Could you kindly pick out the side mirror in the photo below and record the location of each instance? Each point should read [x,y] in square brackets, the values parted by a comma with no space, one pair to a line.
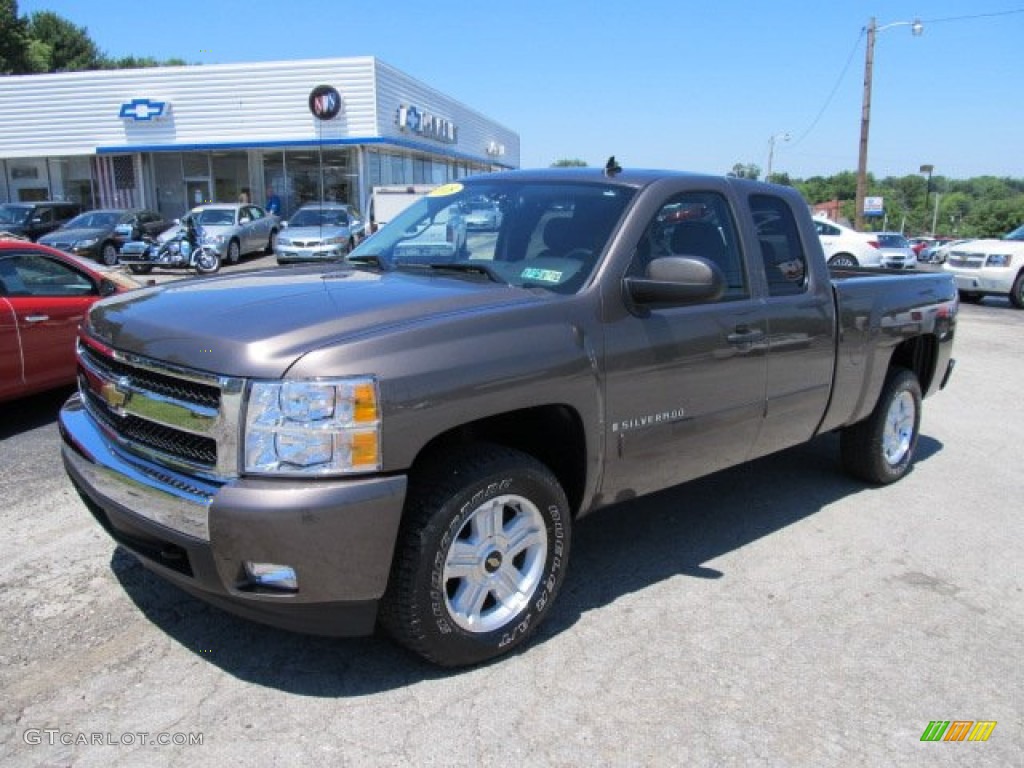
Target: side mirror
[107,287]
[677,280]
[284,224]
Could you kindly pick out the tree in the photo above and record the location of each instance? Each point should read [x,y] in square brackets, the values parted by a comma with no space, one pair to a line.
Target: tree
[569,163]
[13,40]
[57,45]
[748,171]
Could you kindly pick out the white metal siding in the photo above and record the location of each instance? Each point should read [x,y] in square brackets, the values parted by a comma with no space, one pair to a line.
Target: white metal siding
[251,104]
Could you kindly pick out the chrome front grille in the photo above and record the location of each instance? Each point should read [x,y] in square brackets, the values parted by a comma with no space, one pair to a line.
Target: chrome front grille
[966,260]
[184,419]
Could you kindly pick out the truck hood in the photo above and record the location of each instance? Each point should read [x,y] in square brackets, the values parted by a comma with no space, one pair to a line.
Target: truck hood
[990,246]
[257,324]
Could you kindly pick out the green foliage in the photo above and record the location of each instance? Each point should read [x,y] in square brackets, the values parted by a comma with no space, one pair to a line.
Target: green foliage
[57,45]
[13,40]
[745,171]
[569,163]
[46,42]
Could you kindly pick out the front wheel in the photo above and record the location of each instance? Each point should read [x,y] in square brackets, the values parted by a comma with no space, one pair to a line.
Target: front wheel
[482,553]
[207,261]
[108,254]
[881,448]
[1017,292]
[234,252]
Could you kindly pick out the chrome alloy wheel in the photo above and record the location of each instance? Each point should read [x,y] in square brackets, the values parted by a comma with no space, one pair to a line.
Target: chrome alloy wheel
[495,563]
[899,428]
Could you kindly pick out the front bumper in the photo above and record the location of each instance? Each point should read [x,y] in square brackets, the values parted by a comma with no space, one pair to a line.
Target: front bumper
[289,253]
[338,535]
[984,280]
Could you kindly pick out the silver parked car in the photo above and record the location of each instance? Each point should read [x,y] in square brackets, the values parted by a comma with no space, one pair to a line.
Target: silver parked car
[234,229]
[319,231]
[896,250]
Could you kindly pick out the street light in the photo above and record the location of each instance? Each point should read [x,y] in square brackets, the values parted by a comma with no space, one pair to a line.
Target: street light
[771,153]
[916,27]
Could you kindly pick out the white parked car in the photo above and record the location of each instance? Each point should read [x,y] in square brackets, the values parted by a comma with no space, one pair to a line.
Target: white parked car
[990,267]
[845,247]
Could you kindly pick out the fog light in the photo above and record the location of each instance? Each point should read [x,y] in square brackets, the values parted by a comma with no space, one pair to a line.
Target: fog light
[272,575]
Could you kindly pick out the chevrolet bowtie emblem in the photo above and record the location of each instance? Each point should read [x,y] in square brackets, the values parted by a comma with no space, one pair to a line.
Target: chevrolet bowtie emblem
[115,394]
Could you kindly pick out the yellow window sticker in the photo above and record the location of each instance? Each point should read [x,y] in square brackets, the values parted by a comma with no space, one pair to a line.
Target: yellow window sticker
[445,190]
[544,275]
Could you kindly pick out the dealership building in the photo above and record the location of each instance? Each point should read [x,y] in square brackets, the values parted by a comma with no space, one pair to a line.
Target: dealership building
[168,138]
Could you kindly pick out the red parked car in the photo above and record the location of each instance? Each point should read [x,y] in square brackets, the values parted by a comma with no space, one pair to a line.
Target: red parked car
[43,296]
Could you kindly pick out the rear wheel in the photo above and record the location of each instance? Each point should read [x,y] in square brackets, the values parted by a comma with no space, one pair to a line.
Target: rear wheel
[881,448]
[140,269]
[272,243]
[842,260]
[482,554]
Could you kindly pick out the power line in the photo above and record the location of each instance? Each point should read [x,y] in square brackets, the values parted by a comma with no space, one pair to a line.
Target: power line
[831,94]
[973,16]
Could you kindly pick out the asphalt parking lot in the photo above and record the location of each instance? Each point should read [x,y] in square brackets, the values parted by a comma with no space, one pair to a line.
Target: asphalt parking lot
[770,615]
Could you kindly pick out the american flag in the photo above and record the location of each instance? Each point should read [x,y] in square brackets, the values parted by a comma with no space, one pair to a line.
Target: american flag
[115,181]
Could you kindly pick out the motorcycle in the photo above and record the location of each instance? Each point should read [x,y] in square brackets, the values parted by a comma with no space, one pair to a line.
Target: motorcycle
[185,249]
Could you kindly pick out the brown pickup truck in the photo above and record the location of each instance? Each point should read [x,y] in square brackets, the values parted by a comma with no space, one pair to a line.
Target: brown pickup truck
[407,438]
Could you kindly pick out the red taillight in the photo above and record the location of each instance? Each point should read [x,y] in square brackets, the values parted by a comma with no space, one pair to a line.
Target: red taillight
[874,244]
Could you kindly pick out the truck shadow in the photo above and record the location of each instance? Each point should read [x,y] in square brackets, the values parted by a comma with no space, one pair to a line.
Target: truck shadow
[618,550]
[31,412]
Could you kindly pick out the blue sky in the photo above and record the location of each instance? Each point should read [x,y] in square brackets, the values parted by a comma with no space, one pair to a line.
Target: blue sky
[680,85]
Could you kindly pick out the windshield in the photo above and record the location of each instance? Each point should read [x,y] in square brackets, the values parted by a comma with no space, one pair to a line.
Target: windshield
[1017,234]
[892,241]
[215,217]
[95,220]
[318,217]
[14,214]
[545,235]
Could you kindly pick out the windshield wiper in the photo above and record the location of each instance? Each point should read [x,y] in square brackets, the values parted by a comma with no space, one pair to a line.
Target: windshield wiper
[373,259]
[465,266]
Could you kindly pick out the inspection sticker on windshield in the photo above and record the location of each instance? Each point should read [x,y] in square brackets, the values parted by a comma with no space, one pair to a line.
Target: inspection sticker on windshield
[544,275]
[446,189]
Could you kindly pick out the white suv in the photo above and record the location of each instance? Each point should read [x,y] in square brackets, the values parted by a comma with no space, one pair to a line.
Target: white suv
[985,267]
[845,247]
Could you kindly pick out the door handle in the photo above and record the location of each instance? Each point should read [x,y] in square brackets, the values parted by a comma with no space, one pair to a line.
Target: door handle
[36,318]
[745,335]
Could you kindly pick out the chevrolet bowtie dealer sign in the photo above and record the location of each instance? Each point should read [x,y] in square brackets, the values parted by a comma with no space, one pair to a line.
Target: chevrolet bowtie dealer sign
[144,110]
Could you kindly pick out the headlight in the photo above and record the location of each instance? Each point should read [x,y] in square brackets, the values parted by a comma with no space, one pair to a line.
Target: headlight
[213,239]
[999,260]
[318,427]
[87,243]
[334,240]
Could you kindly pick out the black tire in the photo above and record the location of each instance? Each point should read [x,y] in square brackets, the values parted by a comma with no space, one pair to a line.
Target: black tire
[272,242]
[475,499]
[843,260]
[970,297]
[140,269]
[108,254]
[880,448]
[207,261]
[1017,292]
[233,252]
